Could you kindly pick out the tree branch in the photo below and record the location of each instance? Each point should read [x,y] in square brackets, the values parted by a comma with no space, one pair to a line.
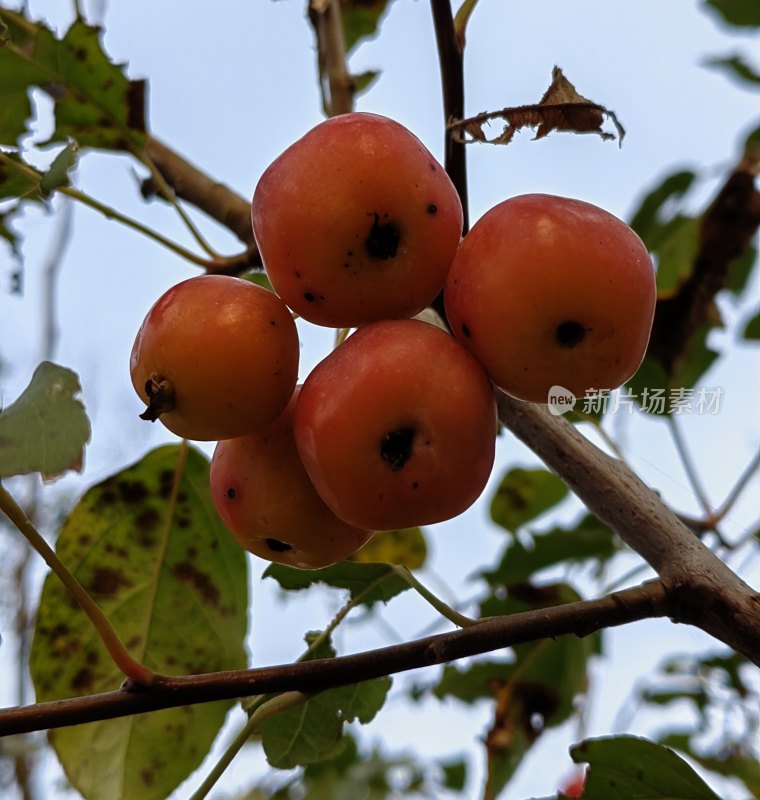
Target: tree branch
[450,56]
[581,618]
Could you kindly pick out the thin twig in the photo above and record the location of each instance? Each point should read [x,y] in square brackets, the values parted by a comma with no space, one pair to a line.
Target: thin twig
[688,465]
[276,705]
[167,192]
[442,608]
[210,196]
[734,494]
[133,669]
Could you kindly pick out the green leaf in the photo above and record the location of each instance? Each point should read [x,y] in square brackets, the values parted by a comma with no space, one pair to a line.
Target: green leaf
[630,768]
[18,179]
[454,774]
[366,583]
[406,547]
[363,81]
[313,731]
[523,495]
[752,328]
[259,277]
[58,174]
[739,271]
[95,103]
[676,252]
[589,539]
[361,19]
[352,775]
[148,545]
[474,682]
[736,66]
[46,429]
[656,393]
[729,763]
[743,13]
[647,220]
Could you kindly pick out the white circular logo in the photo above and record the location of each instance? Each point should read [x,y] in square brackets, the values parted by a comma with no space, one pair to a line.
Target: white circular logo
[560,400]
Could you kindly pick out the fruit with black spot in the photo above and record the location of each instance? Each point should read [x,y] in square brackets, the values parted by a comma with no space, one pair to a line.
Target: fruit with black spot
[356,222]
[215,357]
[548,291]
[396,427]
[265,498]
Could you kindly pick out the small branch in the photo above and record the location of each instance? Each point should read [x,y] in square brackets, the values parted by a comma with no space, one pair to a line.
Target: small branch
[460,620]
[746,476]
[211,265]
[331,46]
[688,465]
[214,198]
[450,57]
[135,671]
[580,618]
[278,704]
[169,195]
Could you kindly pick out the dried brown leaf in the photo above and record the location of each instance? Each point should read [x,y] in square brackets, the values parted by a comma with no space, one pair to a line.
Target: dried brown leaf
[562,108]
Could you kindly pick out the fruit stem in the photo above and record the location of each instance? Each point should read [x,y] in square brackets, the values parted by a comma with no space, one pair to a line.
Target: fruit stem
[138,673]
[161,398]
[460,620]
[276,705]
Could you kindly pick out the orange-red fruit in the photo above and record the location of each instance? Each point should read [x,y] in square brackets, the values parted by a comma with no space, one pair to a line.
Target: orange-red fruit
[266,499]
[575,787]
[547,291]
[219,354]
[356,222]
[396,427]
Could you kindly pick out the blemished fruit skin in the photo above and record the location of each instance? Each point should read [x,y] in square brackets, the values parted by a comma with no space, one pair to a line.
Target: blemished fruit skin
[228,348]
[265,498]
[549,291]
[396,427]
[356,222]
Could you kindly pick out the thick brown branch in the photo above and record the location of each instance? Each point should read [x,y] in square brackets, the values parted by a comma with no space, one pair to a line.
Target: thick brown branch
[580,618]
[704,591]
[214,198]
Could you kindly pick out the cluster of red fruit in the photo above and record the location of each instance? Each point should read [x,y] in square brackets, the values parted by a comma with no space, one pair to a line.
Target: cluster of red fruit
[359,227]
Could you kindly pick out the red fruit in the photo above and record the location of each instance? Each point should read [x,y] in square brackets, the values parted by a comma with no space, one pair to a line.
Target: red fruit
[216,357]
[575,787]
[265,498]
[396,427]
[356,222]
[548,291]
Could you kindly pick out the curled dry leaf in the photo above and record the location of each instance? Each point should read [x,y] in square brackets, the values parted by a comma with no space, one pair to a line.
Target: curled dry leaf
[561,108]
